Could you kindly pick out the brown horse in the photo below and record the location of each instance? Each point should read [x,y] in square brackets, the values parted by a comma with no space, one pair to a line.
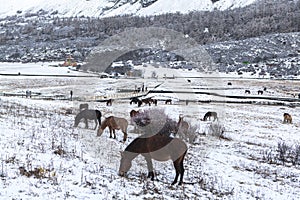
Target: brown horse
[134,100]
[133,113]
[209,114]
[109,102]
[114,123]
[287,118]
[168,101]
[147,101]
[260,92]
[154,101]
[88,114]
[159,147]
[150,101]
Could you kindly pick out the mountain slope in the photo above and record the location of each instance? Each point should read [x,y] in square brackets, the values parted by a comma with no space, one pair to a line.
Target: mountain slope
[107,8]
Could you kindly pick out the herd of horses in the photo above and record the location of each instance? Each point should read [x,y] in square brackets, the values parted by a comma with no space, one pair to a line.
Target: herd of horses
[147,101]
[160,146]
[259,92]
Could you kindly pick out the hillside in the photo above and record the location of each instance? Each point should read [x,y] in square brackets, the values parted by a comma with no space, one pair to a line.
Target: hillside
[276,55]
[231,37]
[260,38]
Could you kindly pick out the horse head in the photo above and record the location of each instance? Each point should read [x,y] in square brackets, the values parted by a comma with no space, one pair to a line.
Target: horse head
[99,132]
[125,164]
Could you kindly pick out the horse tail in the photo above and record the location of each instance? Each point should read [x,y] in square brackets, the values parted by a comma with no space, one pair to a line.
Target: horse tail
[98,115]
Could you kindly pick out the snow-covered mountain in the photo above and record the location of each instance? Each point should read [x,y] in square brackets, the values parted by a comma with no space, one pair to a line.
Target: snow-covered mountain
[107,8]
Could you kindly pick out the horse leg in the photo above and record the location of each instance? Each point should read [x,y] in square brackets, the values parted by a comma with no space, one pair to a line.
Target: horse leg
[150,167]
[86,123]
[182,172]
[95,124]
[177,169]
[110,132]
[178,165]
[125,135]
[114,131]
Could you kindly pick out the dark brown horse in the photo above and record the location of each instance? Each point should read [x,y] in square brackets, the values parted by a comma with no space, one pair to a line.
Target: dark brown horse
[154,101]
[168,101]
[159,147]
[260,92]
[109,102]
[147,101]
[287,118]
[209,115]
[114,123]
[88,115]
[134,100]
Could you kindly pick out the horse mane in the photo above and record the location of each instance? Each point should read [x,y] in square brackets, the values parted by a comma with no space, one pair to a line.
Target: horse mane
[104,124]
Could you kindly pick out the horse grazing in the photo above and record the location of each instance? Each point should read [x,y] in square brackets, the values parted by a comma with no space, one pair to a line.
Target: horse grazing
[209,114]
[183,126]
[83,106]
[287,118]
[168,101]
[88,114]
[114,123]
[154,101]
[134,100]
[247,91]
[158,147]
[109,102]
[146,101]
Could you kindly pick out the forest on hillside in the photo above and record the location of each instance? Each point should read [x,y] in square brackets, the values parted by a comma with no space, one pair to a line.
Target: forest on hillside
[43,36]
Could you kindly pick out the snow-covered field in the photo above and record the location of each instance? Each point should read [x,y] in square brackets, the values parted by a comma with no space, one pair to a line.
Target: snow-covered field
[108,8]
[37,137]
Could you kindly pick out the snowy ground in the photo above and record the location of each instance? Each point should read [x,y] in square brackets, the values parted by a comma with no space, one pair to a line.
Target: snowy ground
[243,164]
[106,8]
